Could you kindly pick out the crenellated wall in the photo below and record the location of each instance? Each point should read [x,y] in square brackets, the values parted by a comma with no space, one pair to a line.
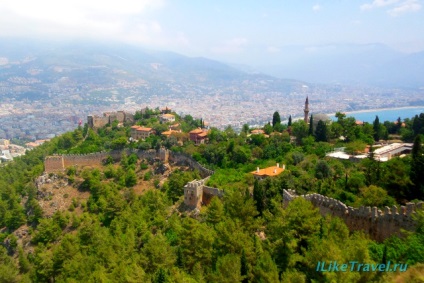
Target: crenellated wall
[377,223]
[58,163]
[54,164]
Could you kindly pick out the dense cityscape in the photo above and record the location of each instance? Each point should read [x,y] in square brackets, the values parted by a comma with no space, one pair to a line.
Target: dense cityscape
[64,110]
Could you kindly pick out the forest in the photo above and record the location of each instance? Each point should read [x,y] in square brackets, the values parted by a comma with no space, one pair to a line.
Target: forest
[121,233]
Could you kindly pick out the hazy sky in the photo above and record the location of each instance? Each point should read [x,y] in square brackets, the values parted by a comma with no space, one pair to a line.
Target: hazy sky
[231,30]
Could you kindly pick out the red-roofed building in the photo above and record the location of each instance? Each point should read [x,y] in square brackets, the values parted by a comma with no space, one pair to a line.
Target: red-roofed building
[268,172]
[198,136]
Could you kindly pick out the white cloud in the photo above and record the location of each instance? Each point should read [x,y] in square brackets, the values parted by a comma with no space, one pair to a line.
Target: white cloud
[395,7]
[405,7]
[80,18]
[378,4]
[316,8]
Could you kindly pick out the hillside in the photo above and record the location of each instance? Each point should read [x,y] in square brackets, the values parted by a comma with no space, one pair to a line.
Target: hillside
[125,219]
[40,70]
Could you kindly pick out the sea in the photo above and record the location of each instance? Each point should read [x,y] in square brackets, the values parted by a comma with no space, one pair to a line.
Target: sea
[383,114]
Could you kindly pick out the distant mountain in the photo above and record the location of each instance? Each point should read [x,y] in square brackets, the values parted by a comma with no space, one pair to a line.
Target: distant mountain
[370,64]
[33,69]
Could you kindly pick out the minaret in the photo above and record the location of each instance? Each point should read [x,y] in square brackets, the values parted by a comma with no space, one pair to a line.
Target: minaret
[306,110]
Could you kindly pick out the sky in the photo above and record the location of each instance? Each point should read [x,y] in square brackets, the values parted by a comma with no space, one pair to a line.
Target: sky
[238,31]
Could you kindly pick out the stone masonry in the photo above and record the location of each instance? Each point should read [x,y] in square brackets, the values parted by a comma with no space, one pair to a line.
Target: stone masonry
[375,222]
[197,194]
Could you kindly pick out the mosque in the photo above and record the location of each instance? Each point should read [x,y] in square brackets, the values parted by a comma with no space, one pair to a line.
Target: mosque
[316,117]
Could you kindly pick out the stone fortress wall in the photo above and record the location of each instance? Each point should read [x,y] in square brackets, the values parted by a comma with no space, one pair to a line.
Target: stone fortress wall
[197,194]
[58,163]
[182,158]
[375,222]
[379,224]
[95,121]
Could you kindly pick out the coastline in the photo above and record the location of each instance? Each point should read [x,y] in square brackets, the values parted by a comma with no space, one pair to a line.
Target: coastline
[376,109]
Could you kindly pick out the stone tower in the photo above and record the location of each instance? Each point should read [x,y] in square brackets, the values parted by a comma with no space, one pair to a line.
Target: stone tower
[306,110]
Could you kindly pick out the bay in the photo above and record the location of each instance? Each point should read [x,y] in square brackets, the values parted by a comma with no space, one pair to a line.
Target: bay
[384,114]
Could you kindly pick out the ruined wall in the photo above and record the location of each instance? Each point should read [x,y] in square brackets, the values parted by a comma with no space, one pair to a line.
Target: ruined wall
[90,159]
[377,223]
[197,194]
[54,164]
[57,163]
[95,121]
[181,158]
[209,193]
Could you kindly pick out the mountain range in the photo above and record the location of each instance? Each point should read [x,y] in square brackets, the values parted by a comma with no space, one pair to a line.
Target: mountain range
[32,68]
[36,69]
[353,64]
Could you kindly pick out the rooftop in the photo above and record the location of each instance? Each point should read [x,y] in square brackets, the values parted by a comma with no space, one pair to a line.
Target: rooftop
[269,172]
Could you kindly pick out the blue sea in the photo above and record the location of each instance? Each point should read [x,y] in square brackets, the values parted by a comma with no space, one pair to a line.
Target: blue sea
[384,114]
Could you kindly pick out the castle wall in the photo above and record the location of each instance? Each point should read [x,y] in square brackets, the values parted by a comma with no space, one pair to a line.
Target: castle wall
[95,121]
[100,121]
[193,193]
[54,164]
[181,158]
[90,159]
[197,194]
[60,162]
[377,223]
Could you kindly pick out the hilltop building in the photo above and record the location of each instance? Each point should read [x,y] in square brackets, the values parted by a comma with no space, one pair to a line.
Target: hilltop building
[95,121]
[167,118]
[140,133]
[382,154]
[272,171]
[4,142]
[198,136]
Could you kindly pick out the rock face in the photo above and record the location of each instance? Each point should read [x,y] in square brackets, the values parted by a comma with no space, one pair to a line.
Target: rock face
[378,224]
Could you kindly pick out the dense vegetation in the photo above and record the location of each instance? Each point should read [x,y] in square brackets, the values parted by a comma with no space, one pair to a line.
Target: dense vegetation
[119,236]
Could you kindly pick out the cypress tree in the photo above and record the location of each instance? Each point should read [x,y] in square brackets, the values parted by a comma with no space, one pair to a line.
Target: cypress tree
[244,268]
[311,126]
[160,276]
[417,168]
[321,131]
[290,121]
[258,196]
[276,119]
[377,128]
[179,262]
